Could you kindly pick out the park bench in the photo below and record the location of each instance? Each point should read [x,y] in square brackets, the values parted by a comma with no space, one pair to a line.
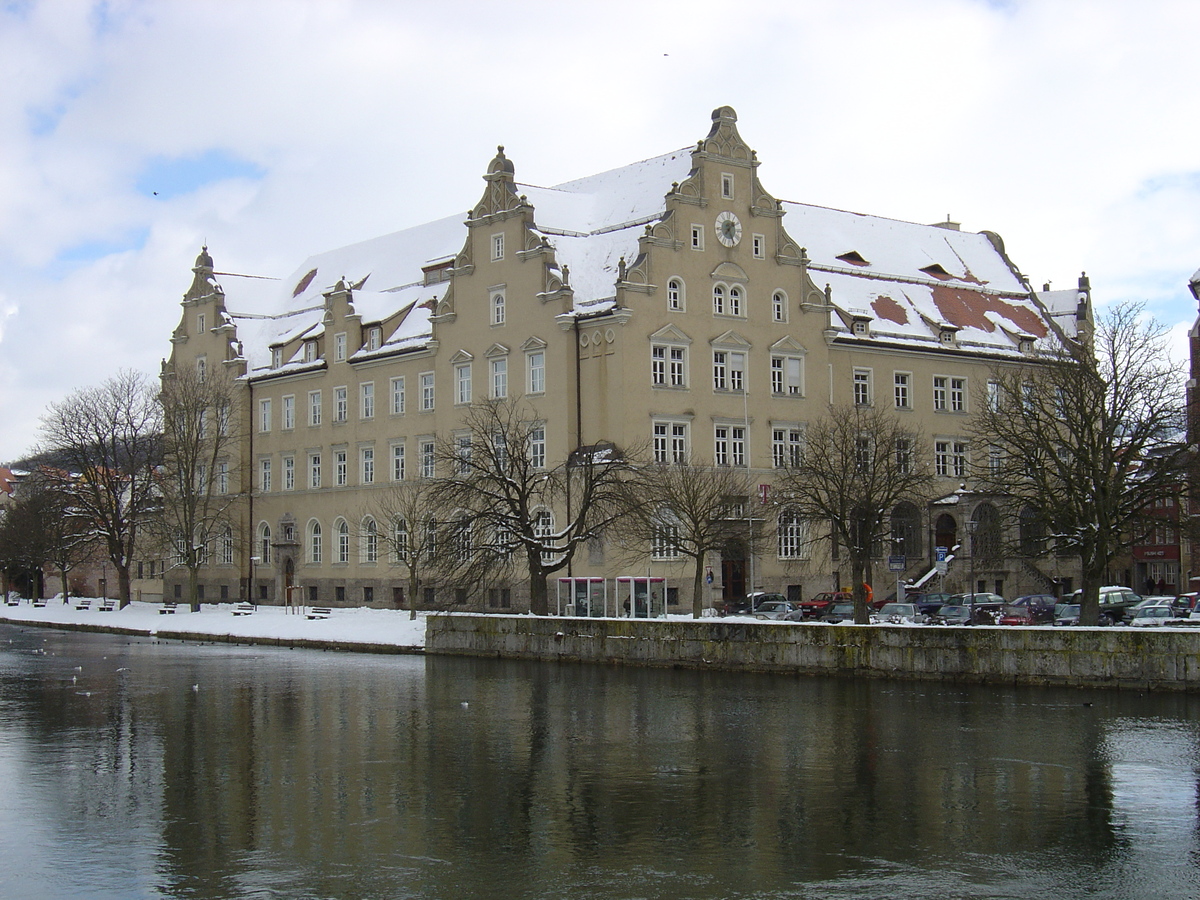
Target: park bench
[244,609]
[320,612]
[167,609]
[83,604]
[13,601]
[39,603]
[107,605]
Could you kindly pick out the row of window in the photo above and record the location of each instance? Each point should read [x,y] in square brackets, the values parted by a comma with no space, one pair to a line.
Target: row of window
[727,300]
[949,392]
[792,538]
[669,368]
[314,473]
[397,398]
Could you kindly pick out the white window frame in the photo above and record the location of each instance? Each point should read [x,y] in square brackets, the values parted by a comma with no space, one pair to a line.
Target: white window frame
[729,445]
[497,305]
[339,346]
[314,408]
[314,471]
[787,445]
[341,468]
[668,365]
[729,370]
[727,185]
[719,292]
[676,294]
[697,237]
[374,337]
[315,545]
[462,384]
[289,413]
[499,379]
[497,244]
[264,416]
[366,400]
[264,475]
[793,535]
[958,394]
[537,446]
[537,371]
[427,452]
[427,394]
[671,440]
[758,244]
[862,386]
[787,375]
[366,464]
[902,389]
[399,462]
[397,389]
[941,392]
[341,404]
[289,473]
[779,306]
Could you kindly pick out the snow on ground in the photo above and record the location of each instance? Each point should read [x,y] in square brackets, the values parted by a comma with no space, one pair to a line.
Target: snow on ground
[346,625]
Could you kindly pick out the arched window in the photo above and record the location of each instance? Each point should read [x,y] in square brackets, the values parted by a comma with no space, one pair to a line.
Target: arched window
[793,543]
[906,530]
[985,542]
[461,535]
[735,301]
[719,299]
[945,531]
[343,539]
[264,544]
[314,541]
[779,305]
[675,295]
[400,540]
[227,546]
[369,548]
[544,529]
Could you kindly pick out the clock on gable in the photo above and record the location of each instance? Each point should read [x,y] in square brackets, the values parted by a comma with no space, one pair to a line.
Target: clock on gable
[729,229]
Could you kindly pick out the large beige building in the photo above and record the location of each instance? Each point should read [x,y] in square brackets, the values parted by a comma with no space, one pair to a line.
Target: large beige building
[673,303]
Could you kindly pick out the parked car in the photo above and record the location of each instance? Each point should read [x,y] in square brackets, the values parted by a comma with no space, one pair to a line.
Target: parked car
[1154,616]
[751,602]
[814,608]
[899,614]
[773,609]
[1031,609]
[842,611]
[951,614]
[1066,614]
[1115,600]
[931,603]
[988,607]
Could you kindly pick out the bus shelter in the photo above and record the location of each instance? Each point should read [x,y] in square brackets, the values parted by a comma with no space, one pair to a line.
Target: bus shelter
[642,596]
[583,597]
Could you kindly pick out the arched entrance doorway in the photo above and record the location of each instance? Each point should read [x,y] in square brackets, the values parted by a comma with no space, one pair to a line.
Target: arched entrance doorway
[945,531]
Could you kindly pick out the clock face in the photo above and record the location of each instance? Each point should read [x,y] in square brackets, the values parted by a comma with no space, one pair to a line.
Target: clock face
[729,229]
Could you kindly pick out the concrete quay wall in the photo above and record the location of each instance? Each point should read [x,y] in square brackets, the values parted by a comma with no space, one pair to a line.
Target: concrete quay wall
[1125,658]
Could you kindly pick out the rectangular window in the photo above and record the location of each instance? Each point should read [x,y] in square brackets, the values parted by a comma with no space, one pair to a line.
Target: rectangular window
[664,541]
[862,387]
[264,415]
[729,445]
[462,382]
[958,394]
[366,460]
[959,459]
[779,306]
[941,457]
[668,365]
[497,246]
[310,351]
[398,396]
[426,391]
[675,295]
[314,470]
[903,456]
[787,375]
[314,407]
[726,186]
[341,405]
[537,447]
[939,392]
[785,447]
[499,379]
[289,473]
[397,462]
[901,389]
[339,346]
[289,413]
[537,372]
[462,451]
[222,477]
[374,338]
[427,459]
[497,307]
[366,399]
[993,395]
[793,543]
[729,370]
[864,455]
[697,237]
[757,245]
[264,475]
[658,365]
[340,468]
[670,442]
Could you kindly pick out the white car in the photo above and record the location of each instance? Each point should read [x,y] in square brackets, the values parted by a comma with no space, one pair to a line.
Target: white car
[899,614]
[1153,616]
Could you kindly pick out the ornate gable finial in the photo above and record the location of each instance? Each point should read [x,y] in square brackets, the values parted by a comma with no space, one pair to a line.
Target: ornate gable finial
[723,138]
[500,195]
[202,281]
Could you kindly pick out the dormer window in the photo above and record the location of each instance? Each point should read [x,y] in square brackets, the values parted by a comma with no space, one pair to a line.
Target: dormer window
[1025,345]
[936,271]
[854,258]
[860,327]
[374,337]
[310,351]
[276,357]
[947,336]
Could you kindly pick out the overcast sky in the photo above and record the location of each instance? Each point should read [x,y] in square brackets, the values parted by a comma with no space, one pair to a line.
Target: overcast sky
[133,131]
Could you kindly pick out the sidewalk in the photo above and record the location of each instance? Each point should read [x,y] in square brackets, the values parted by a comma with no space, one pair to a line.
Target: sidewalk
[377,629]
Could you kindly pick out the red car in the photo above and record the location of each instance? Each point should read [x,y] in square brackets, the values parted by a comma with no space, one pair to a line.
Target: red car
[813,608]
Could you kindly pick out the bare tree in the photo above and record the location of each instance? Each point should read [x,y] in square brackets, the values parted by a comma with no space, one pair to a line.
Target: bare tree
[42,527]
[858,463]
[200,432]
[110,437]
[683,510]
[1084,440]
[407,519]
[513,505]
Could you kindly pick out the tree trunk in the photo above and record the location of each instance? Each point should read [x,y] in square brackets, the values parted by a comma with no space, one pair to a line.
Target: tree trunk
[66,588]
[1089,596]
[414,585]
[193,589]
[123,582]
[698,589]
[539,602]
[862,615]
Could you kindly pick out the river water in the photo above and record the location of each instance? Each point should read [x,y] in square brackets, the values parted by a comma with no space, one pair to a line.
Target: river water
[132,768]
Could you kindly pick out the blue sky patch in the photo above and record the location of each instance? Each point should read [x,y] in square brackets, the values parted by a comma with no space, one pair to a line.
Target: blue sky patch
[164,177]
[89,251]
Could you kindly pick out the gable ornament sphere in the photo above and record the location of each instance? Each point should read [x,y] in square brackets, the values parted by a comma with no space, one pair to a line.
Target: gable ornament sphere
[729,229]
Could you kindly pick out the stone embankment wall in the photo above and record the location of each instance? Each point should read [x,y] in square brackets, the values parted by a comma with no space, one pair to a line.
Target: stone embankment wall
[1142,659]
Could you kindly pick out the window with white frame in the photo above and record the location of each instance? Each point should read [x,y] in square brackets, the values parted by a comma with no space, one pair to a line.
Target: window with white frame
[276,357]
[223,477]
[366,399]
[289,473]
[397,385]
[729,370]
[343,540]
[462,383]
[729,445]
[697,237]
[374,337]
[675,295]
[426,451]
[369,552]
[314,407]
[995,460]
[497,247]
[341,405]
[200,324]
[399,539]
[543,529]
[862,387]
[366,464]
[537,372]
[537,446]
[735,301]
[786,445]
[950,458]
[719,293]
[341,473]
[670,442]
[289,413]
[314,542]
[227,546]
[314,470]
[264,415]
[397,462]
[339,346]
[664,540]
[497,304]
[462,453]
[499,378]
[900,381]
[864,453]
[779,306]
[793,538]
[787,375]
[201,368]
[426,391]
[993,396]
[668,365]
[726,185]
[758,246]
[904,455]
[264,475]
[310,351]
[958,394]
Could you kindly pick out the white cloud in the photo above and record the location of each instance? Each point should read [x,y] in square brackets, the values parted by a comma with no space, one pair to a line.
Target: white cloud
[1069,131]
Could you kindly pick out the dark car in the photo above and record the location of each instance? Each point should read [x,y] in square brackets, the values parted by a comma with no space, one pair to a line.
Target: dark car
[1066,614]
[951,614]
[1032,609]
[814,608]
[773,609]
[988,607]
[749,604]
[842,611]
